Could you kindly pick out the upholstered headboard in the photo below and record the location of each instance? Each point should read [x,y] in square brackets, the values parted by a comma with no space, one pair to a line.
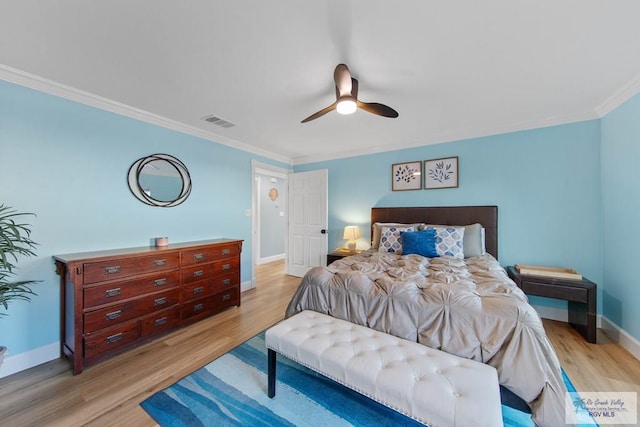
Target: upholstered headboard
[447,215]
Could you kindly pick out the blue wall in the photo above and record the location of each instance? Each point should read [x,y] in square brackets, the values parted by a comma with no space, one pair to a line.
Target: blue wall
[546,183]
[620,207]
[68,163]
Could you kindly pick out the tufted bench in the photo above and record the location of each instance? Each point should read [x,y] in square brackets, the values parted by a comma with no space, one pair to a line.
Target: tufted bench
[428,385]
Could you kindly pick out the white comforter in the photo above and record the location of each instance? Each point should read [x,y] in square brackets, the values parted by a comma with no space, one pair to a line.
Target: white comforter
[465,307]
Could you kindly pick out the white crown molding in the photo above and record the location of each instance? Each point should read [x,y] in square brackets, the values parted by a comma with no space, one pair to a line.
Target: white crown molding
[628,91]
[32,81]
[450,137]
[51,87]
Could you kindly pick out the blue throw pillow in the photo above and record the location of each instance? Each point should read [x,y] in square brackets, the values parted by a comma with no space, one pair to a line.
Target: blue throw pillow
[420,243]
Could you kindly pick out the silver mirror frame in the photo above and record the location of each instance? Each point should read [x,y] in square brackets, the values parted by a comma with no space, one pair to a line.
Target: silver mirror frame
[135,171]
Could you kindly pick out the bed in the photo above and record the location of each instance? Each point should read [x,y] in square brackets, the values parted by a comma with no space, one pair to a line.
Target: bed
[466,306]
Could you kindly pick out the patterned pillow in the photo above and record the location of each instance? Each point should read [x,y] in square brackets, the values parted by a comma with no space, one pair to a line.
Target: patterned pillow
[473,241]
[378,226]
[449,241]
[391,240]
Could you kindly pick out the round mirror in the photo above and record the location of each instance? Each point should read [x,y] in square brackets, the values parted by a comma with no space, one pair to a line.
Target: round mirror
[159,180]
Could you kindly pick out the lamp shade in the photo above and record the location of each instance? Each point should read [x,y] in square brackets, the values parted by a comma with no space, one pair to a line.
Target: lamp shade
[351,232]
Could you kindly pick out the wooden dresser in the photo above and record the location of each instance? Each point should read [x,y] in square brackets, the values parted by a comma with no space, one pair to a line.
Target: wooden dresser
[117,299]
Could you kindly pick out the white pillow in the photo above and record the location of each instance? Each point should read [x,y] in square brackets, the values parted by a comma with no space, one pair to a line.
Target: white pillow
[377,230]
[449,241]
[391,240]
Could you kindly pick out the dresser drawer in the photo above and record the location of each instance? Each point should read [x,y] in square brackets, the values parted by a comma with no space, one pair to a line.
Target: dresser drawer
[120,268]
[112,292]
[111,339]
[208,271]
[208,305]
[208,287]
[204,255]
[160,322]
[128,309]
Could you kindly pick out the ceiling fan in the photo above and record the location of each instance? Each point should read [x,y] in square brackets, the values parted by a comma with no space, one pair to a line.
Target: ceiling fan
[347,98]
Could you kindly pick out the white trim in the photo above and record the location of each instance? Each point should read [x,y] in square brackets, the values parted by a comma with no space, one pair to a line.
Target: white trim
[553,313]
[272,258]
[621,336]
[450,137]
[628,91]
[265,169]
[248,285]
[41,84]
[612,330]
[29,359]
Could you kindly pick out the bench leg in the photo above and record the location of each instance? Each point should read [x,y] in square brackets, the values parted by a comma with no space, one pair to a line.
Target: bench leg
[271,372]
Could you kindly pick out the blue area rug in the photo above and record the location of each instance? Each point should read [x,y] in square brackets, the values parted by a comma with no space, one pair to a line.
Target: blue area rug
[232,391]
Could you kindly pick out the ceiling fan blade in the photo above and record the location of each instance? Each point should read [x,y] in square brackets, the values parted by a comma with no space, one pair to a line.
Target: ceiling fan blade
[378,109]
[320,113]
[342,77]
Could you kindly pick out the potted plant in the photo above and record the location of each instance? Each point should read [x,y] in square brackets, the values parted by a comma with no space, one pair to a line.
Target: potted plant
[15,240]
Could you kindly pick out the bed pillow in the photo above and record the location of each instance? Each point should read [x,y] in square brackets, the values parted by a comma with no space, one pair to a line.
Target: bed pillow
[419,243]
[449,241]
[377,230]
[391,239]
[473,241]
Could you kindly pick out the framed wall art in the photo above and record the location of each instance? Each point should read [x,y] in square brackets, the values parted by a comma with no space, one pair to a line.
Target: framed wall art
[406,176]
[441,173]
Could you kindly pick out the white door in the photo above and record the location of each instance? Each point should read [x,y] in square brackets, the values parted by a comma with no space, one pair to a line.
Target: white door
[307,235]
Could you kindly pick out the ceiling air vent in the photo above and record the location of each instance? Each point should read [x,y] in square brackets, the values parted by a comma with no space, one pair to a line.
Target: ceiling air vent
[218,121]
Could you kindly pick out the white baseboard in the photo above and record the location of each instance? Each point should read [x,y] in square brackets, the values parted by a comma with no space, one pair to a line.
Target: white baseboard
[621,336]
[265,260]
[29,359]
[38,356]
[612,330]
[553,313]
[245,286]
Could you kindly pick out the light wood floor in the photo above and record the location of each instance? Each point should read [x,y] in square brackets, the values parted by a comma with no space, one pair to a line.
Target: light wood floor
[109,393]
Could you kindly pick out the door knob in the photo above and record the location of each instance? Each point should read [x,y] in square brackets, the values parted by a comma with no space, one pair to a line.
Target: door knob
[323,231]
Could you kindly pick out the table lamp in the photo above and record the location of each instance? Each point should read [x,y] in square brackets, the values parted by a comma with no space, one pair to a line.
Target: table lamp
[351,233]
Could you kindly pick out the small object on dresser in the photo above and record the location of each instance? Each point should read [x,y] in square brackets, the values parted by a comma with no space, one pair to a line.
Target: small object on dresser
[536,270]
[162,241]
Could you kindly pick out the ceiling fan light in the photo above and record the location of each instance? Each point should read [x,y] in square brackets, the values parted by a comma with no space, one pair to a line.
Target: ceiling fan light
[346,105]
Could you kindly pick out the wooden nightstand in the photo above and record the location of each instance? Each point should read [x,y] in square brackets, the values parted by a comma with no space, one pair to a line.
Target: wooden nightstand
[581,295]
[336,255]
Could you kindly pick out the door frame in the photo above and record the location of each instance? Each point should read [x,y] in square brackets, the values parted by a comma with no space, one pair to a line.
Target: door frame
[264,168]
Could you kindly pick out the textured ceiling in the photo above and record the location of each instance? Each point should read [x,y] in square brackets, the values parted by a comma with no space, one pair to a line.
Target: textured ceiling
[452,70]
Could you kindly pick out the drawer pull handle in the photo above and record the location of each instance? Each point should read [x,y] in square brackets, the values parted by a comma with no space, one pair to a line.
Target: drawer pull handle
[160,282]
[198,290]
[112,292]
[226,267]
[198,273]
[198,307]
[226,282]
[161,321]
[160,301]
[159,262]
[114,338]
[226,251]
[114,315]
[198,257]
[226,297]
[112,270]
